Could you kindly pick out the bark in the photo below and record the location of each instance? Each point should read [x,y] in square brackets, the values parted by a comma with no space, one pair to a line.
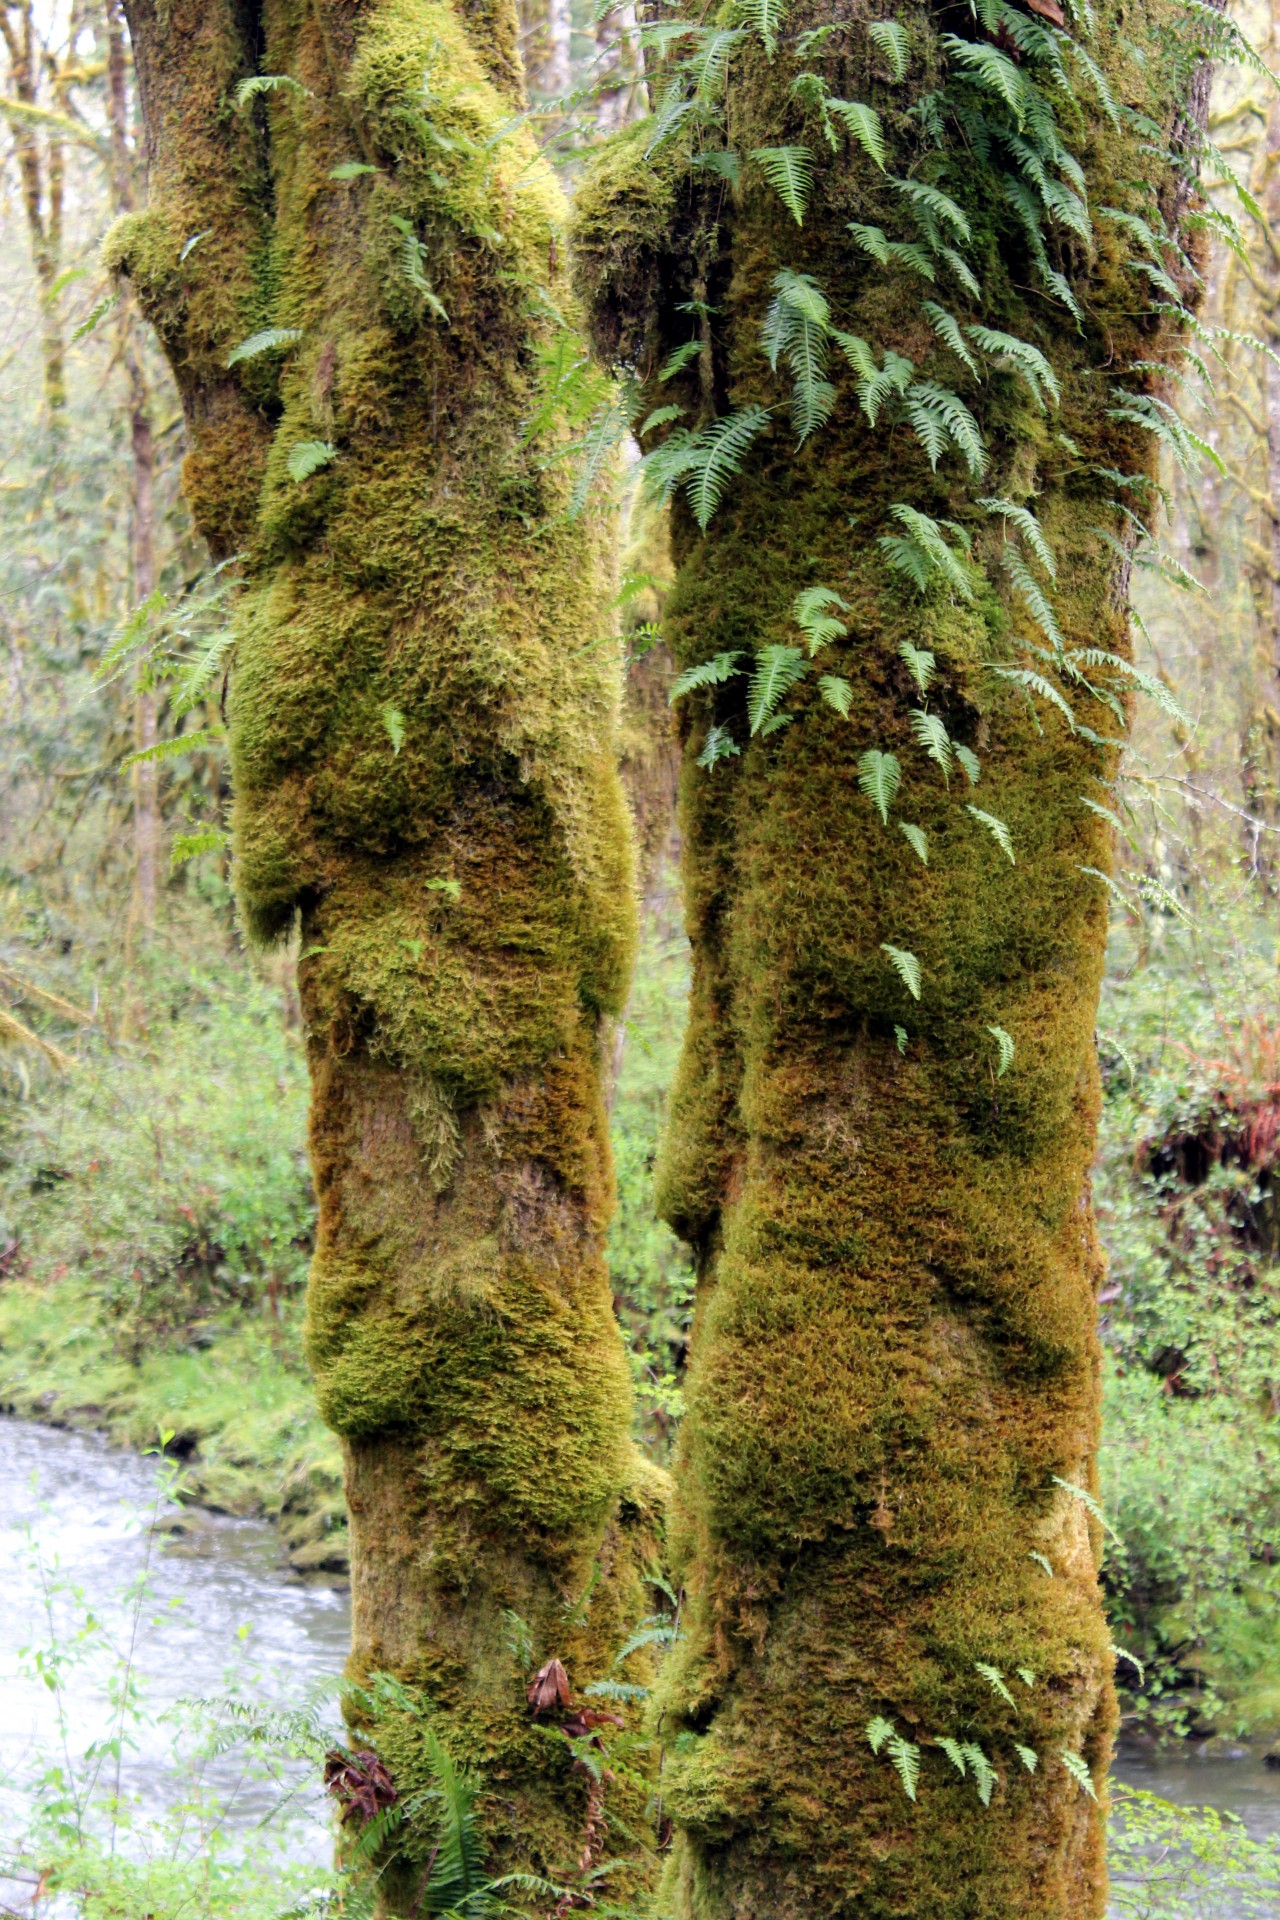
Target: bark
[40,175]
[146,773]
[422,732]
[894,1360]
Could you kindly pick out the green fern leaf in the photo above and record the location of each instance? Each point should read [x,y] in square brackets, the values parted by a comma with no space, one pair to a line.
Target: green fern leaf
[889,38]
[173,749]
[837,693]
[940,418]
[1040,1561]
[922,550]
[956,1754]
[1122,1653]
[717,455]
[864,124]
[878,1731]
[1079,1772]
[268,340]
[718,745]
[969,761]
[1033,596]
[936,205]
[1030,529]
[991,70]
[677,362]
[920,664]
[996,828]
[947,328]
[308,456]
[1021,357]
[916,838]
[984,1774]
[707,673]
[906,966]
[776,671]
[1027,1755]
[1033,682]
[789,171]
[879,777]
[1026,1676]
[1004,1046]
[259,83]
[930,730]
[393,722]
[905,1756]
[1089,1503]
[766,17]
[189,846]
[995,1680]
[812,612]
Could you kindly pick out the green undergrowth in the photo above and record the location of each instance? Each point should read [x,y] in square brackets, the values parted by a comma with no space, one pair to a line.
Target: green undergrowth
[155,1228]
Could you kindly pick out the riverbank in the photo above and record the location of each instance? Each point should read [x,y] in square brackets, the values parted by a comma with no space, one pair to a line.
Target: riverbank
[231,1389]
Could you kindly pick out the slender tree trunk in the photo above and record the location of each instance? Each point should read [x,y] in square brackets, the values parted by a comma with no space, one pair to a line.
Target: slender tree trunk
[146,773]
[422,739]
[42,188]
[895,1372]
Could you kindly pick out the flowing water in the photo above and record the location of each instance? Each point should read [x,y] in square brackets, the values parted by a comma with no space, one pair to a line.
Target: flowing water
[77,1531]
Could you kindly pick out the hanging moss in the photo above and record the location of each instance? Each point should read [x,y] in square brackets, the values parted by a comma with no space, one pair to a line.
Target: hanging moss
[423,712]
[894,1364]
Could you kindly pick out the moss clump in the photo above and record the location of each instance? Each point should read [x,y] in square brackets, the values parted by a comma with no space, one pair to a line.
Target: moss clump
[423,741]
[894,1363]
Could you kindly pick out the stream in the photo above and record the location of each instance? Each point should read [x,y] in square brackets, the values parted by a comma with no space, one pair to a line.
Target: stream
[77,1530]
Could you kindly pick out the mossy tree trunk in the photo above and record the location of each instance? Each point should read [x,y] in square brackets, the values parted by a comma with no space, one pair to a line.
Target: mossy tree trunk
[422,733]
[895,1369]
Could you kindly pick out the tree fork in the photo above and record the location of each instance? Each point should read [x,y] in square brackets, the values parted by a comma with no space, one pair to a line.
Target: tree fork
[887,1462]
[422,736]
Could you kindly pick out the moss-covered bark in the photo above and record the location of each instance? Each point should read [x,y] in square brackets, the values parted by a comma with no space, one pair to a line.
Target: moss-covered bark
[895,1366]
[422,731]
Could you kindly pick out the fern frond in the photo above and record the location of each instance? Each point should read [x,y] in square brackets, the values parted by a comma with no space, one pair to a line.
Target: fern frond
[812,611]
[889,38]
[172,749]
[1027,1755]
[920,663]
[307,457]
[719,745]
[1033,682]
[789,171]
[969,761]
[1079,1772]
[776,672]
[878,1731]
[716,455]
[996,828]
[906,966]
[994,72]
[259,83]
[923,550]
[1029,527]
[984,1774]
[888,252]
[916,839]
[1033,596]
[939,417]
[766,17]
[931,733]
[879,777]
[837,693]
[1005,1050]
[947,328]
[937,205]
[268,340]
[1089,1503]
[864,124]
[1019,356]
[707,673]
[955,1752]
[992,1675]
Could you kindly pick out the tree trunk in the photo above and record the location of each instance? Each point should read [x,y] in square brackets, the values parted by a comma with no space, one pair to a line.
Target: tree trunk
[42,191]
[422,739]
[895,1372]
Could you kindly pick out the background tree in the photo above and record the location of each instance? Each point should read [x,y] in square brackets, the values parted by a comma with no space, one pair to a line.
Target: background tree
[901,616]
[349,254]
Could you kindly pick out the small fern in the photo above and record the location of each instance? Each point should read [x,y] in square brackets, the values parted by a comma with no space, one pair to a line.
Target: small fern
[268,340]
[903,1753]
[1079,1772]
[916,839]
[996,828]
[995,1680]
[890,39]
[776,671]
[812,611]
[308,456]
[1004,1049]
[906,966]
[879,777]
[707,673]
[789,171]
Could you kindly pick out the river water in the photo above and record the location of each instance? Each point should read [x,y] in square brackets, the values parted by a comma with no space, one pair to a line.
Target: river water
[78,1529]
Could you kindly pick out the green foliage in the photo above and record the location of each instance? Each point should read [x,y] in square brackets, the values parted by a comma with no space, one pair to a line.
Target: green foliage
[266,340]
[309,456]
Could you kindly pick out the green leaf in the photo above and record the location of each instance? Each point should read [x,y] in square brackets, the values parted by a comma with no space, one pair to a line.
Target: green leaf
[1027,1755]
[1020,357]
[1040,1561]
[260,83]
[269,340]
[308,456]
[717,455]
[393,721]
[936,205]
[1122,1653]
[707,673]
[889,38]
[95,318]
[766,17]
[864,124]
[660,417]
[920,663]
[1079,1772]
[676,362]
[837,693]
[350,170]
[776,671]
[916,837]
[922,550]
[1032,596]
[1089,1503]
[939,419]
[956,1754]
[931,733]
[947,328]
[452,889]
[901,1036]
[995,1680]
[718,745]
[904,1754]
[984,1774]
[190,244]
[1028,526]
[906,966]
[969,761]
[188,846]
[879,777]
[878,1731]
[789,171]
[812,612]
[172,749]
[1004,1044]
[1033,682]
[996,828]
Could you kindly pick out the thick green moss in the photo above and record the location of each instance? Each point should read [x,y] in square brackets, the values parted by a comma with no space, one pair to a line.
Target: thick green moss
[423,728]
[894,1358]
